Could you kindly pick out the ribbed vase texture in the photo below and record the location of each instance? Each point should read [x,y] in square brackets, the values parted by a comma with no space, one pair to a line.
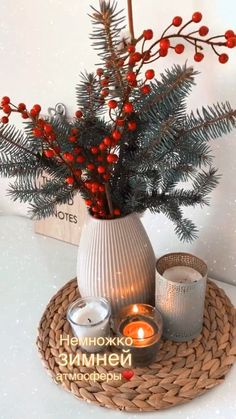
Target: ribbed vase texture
[116,261]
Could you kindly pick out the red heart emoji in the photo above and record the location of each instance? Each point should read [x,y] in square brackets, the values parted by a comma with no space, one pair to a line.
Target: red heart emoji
[128,374]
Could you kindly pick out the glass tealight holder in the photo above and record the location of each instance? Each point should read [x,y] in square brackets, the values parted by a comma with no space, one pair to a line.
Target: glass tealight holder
[142,323]
[89,318]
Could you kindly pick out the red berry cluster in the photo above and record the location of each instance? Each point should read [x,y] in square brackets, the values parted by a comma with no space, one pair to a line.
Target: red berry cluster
[164,44]
[90,169]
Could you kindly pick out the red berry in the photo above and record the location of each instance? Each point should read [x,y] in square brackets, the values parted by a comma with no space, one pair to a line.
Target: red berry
[164,43]
[128,107]
[163,52]
[78,114]
[145,89]
[68,156]
[88,184]
[104,82]
[33,113]
[148,34]
[99,72]
[120,63]
[101,188]
[231,42]
[80,159]
[112,158]
[70,180]
[24,115]
[100,158]
[95,208]
[88,202]
[101,169]
[132,125]
[177,21]
[133,83]
[198,57]
[77,150]
[95,186]
[49,153]
[57,149]
[105,92]
[6,109]
[41,123]
[72,139]
[116,211]
[94,150]
[100,202]
[197,17]
[4,120]
[120,122]
[37,108]
[107,141]
[78,172]
[112,104]
[52,136]
[102,147]
[37,132]
[74,131]
[149,74]
[223,58]
[21,107]
[146,55]
[5,100]
[229,34]
[116,135]
[90,166]
[179,48]
[131,49]
[106,176]
[48,128]
[131,76]
[135,57]
[203,30]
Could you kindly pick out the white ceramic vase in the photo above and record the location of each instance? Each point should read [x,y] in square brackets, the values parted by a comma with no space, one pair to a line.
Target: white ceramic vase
[116,261]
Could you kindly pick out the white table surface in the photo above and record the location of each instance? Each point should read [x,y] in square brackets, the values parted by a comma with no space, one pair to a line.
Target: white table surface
[32,269]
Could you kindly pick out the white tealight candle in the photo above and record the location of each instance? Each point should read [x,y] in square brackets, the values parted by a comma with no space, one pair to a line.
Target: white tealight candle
[182,274]
[90,319]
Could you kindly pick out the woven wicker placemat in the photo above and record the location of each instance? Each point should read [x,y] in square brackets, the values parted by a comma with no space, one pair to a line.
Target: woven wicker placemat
[181,372]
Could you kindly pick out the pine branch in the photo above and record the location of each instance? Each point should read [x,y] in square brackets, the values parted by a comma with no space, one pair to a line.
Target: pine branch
[15,143]
[108,23]
[44,206]
[88,93]
[214,121]
[174,86]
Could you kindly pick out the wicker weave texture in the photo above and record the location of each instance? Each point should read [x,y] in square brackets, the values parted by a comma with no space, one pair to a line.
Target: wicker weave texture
[181,372]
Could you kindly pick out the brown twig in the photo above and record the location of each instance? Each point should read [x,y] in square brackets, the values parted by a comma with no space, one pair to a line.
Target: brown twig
[130,19]
[108,196]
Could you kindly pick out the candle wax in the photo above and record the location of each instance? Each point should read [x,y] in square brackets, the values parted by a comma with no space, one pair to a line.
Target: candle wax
[182,274]
[91,313]
[138,330]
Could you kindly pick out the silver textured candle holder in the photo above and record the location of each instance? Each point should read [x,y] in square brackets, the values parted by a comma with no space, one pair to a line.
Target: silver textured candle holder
[181,302]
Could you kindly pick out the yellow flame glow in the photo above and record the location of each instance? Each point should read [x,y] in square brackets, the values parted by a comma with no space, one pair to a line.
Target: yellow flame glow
[140,333]
[135,308]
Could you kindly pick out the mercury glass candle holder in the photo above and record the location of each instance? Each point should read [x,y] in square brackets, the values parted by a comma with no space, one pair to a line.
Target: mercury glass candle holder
[181,299]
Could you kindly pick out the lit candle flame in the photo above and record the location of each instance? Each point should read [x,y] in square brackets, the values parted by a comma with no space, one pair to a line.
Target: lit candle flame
[140,333]
[135,308]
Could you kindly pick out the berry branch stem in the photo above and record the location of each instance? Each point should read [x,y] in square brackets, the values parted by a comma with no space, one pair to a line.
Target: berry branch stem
[108,197]
[130,19]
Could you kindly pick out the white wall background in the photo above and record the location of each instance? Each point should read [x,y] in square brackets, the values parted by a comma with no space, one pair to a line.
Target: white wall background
[43,47]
